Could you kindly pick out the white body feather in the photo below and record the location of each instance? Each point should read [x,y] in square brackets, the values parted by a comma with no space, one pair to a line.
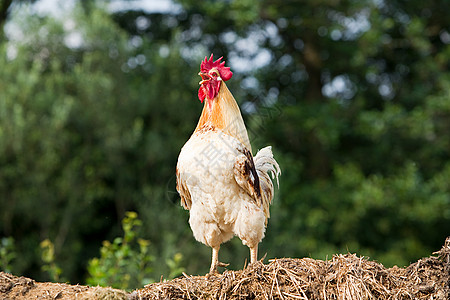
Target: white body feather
[220,207]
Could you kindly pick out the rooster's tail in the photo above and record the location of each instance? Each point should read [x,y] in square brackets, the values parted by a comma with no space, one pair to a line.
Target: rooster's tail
[265,166]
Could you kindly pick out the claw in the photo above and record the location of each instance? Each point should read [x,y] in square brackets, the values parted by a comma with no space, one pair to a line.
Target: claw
[221,264]
[214,270]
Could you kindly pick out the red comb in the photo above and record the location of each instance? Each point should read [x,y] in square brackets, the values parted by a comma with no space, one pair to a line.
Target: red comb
[208,64]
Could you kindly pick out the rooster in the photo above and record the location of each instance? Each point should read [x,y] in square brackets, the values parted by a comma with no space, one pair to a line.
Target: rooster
[225,188]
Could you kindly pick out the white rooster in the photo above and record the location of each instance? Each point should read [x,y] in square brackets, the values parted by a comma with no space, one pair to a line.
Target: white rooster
[226,189]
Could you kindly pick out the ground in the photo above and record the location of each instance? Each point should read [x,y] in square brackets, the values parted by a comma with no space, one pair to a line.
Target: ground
[342,277]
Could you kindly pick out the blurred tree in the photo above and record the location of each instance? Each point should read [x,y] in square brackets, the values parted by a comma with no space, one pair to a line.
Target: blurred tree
[363,89]
[4,8]
[80,141]
[5,11]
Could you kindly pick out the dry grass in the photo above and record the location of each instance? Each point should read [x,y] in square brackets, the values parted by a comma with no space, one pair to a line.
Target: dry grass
[342,277]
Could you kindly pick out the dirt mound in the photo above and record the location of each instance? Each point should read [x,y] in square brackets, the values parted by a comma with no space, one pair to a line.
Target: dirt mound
[21,288]
[342,277]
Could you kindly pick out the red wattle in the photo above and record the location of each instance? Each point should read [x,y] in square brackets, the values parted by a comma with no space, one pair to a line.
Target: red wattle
[201,94]
[211,91]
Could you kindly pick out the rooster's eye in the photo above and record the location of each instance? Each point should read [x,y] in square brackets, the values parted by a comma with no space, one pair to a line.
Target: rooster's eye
[214,73]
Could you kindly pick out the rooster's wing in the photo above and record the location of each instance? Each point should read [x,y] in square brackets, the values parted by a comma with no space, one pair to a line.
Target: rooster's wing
[182,189]
[246,176]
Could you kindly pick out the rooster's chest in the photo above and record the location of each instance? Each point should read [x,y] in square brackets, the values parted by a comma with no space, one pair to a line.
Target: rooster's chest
[208,158]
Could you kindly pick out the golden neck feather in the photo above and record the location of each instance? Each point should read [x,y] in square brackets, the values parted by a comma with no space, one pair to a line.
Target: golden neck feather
[223,113]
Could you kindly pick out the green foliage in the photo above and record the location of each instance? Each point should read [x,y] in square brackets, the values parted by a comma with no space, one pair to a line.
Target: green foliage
[127,262]
[70,118]
[48,257]
[175,265]
[7,254]
[124,263]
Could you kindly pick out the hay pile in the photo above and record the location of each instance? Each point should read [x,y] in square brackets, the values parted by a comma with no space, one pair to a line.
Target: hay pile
[343,277]
[22,288]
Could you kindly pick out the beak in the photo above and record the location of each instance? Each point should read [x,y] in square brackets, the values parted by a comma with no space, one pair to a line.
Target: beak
[205,77]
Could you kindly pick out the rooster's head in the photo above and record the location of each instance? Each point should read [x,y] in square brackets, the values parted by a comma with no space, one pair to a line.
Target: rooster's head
[212,73]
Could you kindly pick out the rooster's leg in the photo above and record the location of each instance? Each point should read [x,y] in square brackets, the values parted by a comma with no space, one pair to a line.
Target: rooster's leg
[215,261]
[253,254]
